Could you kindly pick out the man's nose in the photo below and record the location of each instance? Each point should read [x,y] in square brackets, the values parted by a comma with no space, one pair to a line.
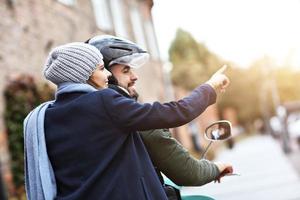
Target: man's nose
[134,77]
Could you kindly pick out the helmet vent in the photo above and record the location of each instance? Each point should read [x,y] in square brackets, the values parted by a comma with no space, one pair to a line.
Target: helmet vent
[121,48]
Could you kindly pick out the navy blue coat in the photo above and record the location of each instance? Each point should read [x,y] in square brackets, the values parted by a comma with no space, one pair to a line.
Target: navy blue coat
[94,148]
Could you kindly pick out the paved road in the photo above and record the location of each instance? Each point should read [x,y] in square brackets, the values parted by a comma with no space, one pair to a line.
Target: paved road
[266,173]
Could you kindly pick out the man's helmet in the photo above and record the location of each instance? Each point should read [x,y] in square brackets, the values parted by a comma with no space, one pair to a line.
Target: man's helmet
[119,51]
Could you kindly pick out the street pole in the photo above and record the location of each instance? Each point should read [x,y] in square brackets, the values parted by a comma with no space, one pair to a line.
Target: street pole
[264,104]
[282,115]
[270,85]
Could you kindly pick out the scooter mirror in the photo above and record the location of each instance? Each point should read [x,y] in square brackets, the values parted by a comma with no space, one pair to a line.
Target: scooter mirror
[220,130]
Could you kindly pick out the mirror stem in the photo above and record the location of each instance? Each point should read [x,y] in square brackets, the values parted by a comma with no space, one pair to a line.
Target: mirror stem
[205,151]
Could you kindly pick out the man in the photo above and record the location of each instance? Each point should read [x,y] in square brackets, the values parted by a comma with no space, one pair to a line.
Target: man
[85,145]
[120,57]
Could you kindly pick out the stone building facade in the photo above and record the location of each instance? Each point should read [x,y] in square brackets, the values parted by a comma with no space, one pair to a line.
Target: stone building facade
[29,29]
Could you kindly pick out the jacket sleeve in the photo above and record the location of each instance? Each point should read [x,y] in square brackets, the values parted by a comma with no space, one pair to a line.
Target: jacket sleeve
[132,115]
[171,158]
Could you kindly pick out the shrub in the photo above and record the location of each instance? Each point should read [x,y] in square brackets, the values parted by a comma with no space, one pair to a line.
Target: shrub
[21,95]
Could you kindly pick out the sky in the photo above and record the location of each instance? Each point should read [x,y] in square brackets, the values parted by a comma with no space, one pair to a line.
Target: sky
[240,31]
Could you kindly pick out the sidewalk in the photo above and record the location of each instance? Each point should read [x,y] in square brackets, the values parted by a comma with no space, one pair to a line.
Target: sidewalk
[266,173]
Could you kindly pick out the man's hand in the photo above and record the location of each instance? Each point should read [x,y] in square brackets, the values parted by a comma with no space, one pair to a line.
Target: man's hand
[224,169]
[219,81]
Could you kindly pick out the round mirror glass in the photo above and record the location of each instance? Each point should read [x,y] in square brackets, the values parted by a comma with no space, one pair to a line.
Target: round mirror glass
[219,130]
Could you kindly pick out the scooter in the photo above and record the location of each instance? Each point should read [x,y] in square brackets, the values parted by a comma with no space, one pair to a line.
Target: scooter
[217,131]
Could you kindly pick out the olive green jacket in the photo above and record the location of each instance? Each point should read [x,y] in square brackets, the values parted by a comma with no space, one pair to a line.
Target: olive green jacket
[173,160]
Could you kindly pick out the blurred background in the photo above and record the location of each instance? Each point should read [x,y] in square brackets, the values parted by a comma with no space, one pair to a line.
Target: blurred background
[188,40]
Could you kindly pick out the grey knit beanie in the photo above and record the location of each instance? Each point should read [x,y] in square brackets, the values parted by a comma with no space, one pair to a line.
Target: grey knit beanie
[73,62]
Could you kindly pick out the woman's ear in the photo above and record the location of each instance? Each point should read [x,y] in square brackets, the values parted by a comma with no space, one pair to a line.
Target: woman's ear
[91,81]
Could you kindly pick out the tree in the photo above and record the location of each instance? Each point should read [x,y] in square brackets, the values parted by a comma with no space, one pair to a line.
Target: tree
[243,93]
[193,62]
[21,96]
[251,92]
[287,79]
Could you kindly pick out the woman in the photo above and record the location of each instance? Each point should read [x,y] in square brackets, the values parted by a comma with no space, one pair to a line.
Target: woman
[89,135]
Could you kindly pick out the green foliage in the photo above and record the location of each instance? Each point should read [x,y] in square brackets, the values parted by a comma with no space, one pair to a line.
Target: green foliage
[184,48]
[193,63]
[21,96]
[188,78]
[287,80]
[243,93]
[252,91]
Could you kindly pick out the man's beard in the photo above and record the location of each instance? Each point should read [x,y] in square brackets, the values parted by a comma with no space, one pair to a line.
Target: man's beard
[133,93]
[113,81]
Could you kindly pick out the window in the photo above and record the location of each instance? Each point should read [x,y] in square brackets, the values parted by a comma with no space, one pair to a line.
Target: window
[151,38]
[67,2]
[10,3]
[118,18]
[137,27]
[102,15]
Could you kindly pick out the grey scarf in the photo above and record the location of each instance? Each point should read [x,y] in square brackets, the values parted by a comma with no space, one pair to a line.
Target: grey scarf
[40,181]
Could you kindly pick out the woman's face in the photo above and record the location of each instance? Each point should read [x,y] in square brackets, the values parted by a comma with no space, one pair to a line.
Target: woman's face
[99,78]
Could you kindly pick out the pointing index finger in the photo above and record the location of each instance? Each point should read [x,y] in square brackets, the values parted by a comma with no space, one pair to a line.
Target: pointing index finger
[222,70]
